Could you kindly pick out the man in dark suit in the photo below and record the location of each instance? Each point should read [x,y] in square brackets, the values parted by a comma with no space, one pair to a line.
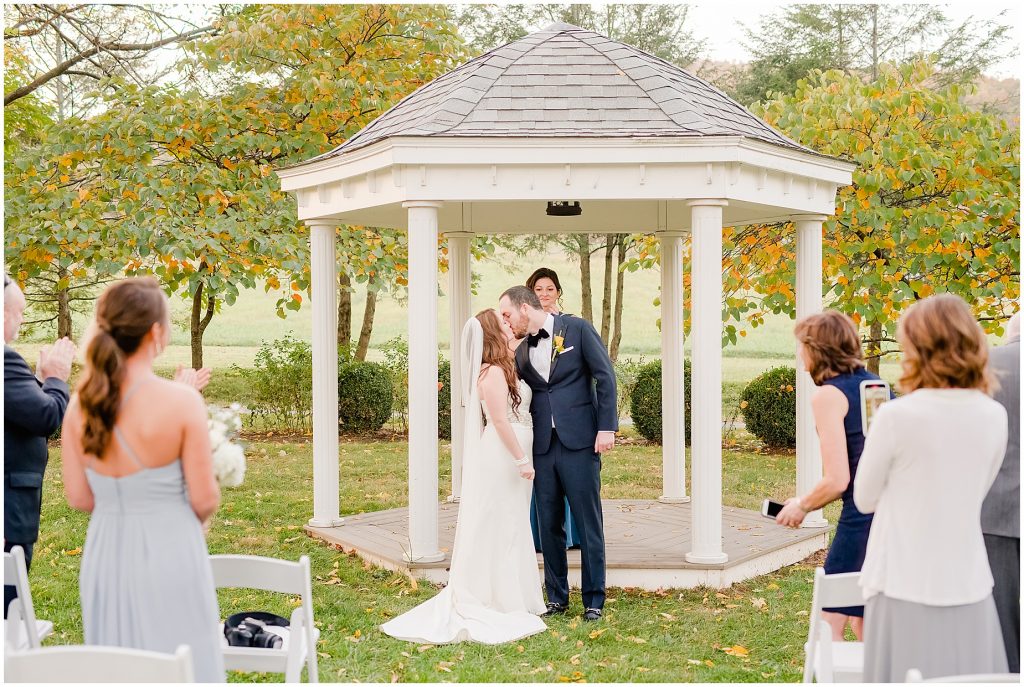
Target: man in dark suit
[574,422]
[33,410]
[1000,513]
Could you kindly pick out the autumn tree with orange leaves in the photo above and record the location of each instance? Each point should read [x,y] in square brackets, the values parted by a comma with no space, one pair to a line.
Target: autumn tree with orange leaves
[179,182]
[934,207]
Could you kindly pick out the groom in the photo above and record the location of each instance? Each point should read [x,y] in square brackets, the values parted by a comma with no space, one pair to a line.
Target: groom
[572,425]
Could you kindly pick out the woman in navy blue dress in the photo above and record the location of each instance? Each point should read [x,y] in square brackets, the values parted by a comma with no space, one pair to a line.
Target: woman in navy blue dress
[544,282]
[828,347]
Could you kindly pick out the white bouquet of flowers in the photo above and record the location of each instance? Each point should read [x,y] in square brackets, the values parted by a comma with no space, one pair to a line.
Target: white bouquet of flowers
[228,455]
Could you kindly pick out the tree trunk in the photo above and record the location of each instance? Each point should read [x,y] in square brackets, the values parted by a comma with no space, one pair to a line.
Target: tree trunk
[606,300]
[620,283]
[344,311]
[874,41]
[368,314]
[583,251]
[63,306]
[874,351]
[200,322]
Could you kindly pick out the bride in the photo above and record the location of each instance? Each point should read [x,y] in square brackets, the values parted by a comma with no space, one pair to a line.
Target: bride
[493,594]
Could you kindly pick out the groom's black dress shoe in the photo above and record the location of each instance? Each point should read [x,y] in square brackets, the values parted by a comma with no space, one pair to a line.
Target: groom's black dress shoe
[592,614]
[554,609]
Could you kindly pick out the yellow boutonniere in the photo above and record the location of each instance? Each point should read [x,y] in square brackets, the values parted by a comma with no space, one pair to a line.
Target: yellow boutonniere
[559,341]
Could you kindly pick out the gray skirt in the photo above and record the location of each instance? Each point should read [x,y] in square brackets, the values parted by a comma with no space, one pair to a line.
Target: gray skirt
[937,640]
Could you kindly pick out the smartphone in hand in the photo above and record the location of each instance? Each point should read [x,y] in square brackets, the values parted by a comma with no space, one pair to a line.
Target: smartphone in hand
[770,509]
[873,393]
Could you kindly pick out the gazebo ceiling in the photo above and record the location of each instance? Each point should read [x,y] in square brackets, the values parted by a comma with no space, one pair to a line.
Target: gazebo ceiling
[566,114]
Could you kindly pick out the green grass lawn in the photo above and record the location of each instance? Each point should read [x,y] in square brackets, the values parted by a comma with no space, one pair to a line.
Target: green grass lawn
[665,636]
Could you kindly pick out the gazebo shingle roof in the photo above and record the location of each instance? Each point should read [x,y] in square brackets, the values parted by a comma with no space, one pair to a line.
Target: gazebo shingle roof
[566,81]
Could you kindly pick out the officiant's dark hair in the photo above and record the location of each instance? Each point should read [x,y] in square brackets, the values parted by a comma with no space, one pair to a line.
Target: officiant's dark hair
[125,313]
[520,295]
[544,273]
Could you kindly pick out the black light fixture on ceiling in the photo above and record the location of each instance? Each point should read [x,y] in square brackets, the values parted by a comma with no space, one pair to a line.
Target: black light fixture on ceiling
[564,208]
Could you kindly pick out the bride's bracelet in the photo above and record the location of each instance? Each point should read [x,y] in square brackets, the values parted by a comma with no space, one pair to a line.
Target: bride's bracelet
[522,461]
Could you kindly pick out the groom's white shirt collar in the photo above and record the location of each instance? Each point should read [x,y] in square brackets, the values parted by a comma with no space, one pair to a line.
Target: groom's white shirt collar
[549,325]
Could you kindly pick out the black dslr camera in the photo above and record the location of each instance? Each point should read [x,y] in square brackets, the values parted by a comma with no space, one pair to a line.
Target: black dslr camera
[252,632]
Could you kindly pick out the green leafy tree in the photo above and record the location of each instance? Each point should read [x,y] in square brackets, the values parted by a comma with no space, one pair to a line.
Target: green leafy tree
[859,39]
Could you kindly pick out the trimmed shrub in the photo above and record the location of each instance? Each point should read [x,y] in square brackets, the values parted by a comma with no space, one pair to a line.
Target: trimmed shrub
[645,401]
[444,400]
[364,396]
[280,385]
[626,372]
[768,405]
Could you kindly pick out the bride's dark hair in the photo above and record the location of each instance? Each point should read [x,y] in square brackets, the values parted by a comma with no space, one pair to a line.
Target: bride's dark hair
[496,352]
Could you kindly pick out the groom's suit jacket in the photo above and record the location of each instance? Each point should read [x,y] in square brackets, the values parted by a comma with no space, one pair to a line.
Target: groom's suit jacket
[579,407]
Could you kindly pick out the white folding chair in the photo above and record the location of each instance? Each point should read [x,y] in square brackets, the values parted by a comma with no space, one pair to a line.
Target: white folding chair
[273,575]
[98,664]
[914,675]
[824,659]
[22,629]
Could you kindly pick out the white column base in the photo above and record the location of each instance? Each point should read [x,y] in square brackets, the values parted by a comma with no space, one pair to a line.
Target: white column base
[707,559]
[452,498]
[673,499]
[329,522]
[426,558]
[814,519]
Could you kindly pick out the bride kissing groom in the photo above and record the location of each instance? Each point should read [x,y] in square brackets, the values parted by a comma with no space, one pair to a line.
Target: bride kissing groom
[557,367]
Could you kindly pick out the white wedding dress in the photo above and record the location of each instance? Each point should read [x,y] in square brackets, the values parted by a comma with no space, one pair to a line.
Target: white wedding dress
[494,588]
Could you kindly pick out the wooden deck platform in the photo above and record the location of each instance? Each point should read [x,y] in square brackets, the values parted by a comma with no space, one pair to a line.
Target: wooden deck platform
[645,541]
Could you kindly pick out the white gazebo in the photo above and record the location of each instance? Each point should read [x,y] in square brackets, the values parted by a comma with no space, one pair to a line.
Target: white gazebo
[563,114]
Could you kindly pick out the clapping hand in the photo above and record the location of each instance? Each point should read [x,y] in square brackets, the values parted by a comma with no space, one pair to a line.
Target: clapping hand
[55,360]
[197,379]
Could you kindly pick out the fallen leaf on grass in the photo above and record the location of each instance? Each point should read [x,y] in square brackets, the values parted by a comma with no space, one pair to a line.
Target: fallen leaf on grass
[73,552]
[709,664]
[520,648]
[737,650]
[758,603]
[732,605]
[667,616]
[597,633]
[693,661]
[445,666]
[579,643]
[637,640]
[801,612]
[424,647]
[720,595]
[772,585]
[574,659]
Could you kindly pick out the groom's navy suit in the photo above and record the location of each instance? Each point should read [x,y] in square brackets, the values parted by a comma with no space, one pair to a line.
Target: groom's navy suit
[563,454]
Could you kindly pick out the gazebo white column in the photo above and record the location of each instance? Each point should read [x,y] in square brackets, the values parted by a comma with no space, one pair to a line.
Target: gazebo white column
[673,422]
[460,300]
[808,302]
[423,382]
[323,271]
[706,343]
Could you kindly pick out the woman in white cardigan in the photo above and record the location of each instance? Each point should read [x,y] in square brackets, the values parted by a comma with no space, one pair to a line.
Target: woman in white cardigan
[928,462]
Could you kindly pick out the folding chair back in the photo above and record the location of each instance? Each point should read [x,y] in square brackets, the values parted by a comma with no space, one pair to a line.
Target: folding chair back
[914,675]
[98,664]
[273,575]
[22,630]
[825,660]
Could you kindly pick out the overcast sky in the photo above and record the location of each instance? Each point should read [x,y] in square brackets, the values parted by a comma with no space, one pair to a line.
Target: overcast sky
[727,18]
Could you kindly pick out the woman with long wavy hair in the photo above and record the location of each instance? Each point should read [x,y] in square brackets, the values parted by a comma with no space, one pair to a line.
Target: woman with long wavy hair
[136,456]
[493,594]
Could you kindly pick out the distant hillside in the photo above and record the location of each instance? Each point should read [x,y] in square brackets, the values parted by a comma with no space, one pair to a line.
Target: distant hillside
[999,96]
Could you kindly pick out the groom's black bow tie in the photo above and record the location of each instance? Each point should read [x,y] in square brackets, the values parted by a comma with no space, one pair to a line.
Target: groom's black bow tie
[533,339]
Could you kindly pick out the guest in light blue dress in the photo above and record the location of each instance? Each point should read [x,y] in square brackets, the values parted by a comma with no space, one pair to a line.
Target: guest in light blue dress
[136,455]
